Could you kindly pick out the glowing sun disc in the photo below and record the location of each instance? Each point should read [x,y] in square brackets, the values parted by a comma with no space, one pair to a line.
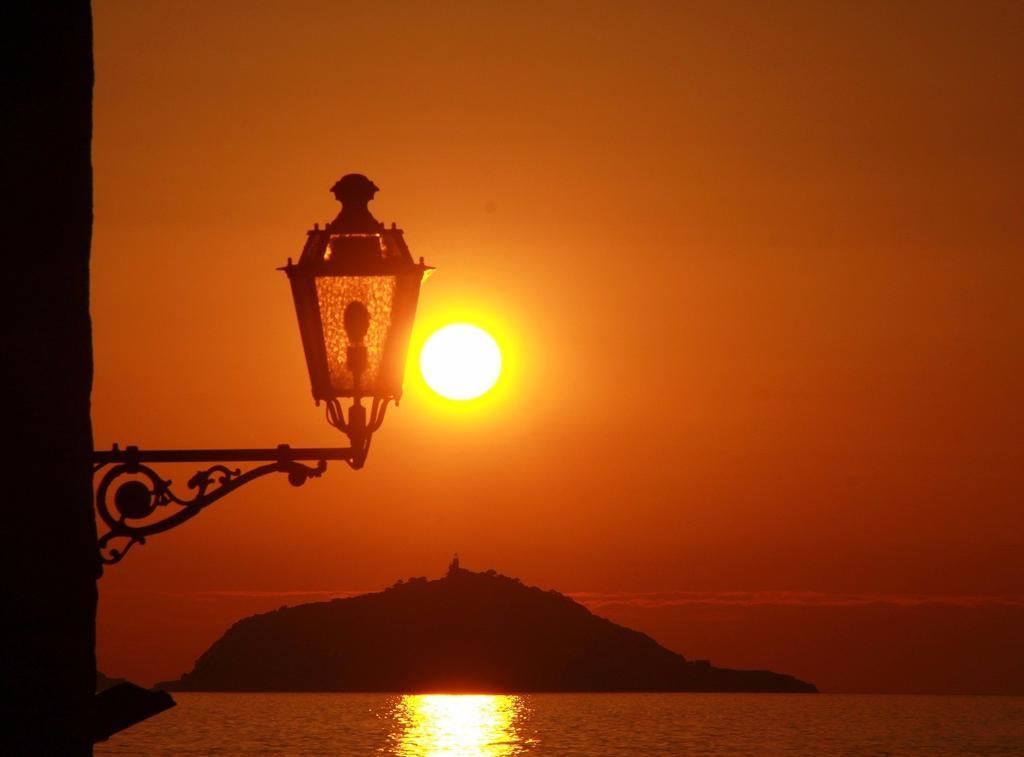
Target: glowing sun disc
[460,361]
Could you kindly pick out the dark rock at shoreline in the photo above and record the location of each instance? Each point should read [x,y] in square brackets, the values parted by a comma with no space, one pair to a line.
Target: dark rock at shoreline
[104,682]
[464,632]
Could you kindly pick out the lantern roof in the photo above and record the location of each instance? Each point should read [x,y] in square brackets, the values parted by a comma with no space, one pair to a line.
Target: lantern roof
[375,253]
[355,243]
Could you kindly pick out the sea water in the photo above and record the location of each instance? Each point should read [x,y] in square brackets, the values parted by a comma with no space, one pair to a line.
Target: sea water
[578,724]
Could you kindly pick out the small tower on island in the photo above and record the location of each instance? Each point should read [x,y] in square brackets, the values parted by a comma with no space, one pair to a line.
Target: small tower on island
[453,567]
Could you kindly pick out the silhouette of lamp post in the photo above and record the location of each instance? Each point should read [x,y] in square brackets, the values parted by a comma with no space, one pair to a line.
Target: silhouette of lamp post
[355,288]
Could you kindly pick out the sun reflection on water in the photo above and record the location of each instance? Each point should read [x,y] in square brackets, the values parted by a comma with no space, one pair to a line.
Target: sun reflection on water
[458,724]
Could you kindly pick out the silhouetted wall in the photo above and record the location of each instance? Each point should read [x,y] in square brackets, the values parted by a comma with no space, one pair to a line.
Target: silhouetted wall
[48,661]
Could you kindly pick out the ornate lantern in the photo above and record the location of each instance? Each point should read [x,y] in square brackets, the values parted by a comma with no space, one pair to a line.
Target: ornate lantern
[355,288]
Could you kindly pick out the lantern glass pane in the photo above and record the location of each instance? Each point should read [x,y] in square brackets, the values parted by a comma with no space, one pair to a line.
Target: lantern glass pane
[334,293]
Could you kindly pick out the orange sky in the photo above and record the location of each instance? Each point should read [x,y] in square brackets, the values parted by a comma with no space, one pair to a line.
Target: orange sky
[757,271]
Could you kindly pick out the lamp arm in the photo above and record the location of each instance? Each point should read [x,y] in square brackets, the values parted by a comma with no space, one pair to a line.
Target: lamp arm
[129,513]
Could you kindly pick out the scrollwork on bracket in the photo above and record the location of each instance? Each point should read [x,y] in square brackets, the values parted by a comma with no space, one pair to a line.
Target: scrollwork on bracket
[129,513]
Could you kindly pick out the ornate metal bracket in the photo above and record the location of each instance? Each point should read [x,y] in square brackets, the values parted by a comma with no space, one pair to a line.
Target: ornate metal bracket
[143,503]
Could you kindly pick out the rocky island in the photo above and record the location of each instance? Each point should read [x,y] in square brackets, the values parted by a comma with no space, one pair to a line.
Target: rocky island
[465,632]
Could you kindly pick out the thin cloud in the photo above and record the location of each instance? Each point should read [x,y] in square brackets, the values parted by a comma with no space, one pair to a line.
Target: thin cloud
[650,599]
[788,598]
[248,593]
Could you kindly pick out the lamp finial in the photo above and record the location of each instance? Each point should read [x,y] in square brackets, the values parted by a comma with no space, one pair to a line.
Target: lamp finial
[354,191]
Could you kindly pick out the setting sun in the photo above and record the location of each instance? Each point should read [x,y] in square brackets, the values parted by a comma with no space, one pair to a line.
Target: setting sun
[460,361]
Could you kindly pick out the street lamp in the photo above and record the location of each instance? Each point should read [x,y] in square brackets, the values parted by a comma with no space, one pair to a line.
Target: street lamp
[355,288]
